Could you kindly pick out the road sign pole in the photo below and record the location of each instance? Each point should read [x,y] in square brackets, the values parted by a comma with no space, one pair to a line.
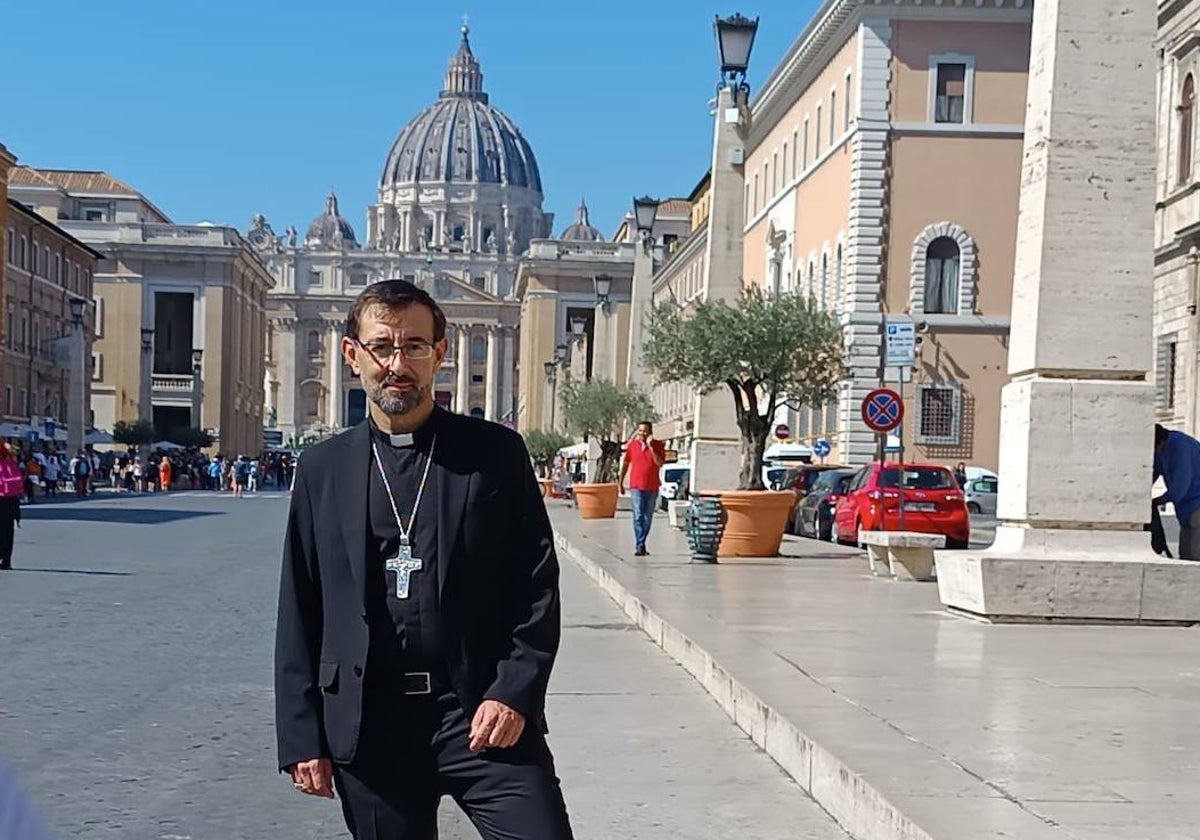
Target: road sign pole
[900,438]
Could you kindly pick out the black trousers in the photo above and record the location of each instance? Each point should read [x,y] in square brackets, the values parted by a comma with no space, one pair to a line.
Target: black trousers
[10,512]
[414,749]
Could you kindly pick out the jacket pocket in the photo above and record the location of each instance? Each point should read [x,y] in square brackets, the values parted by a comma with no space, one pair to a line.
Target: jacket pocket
[327,677]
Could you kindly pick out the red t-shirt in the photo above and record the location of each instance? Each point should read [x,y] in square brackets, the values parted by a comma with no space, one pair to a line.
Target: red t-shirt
[643,469]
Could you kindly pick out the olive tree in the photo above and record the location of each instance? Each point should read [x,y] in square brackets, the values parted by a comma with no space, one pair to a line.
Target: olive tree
[765,349]
[601,409]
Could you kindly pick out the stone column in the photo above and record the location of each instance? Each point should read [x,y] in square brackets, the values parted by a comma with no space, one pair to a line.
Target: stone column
[334,412]
[464,369]
[716,447]
[604,326]
[507,375]
[639,310]
[1076,420]
[493,373]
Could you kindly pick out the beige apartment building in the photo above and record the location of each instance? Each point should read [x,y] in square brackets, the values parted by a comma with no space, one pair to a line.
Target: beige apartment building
[180,310]
[581,277]
[45,269]
[1177,220]
[882,177]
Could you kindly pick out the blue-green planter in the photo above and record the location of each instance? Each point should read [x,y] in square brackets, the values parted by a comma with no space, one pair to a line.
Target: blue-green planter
[705,525]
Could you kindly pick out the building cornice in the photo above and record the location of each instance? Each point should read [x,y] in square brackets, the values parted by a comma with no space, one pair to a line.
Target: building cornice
[833,24]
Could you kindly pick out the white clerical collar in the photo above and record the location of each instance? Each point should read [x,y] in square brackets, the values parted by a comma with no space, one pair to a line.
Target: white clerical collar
[401,440]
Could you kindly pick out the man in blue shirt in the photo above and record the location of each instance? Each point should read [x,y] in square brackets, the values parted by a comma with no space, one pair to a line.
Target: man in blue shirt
[1177,460]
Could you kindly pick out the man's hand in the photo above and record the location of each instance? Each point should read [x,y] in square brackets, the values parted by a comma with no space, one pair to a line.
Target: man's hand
[495,725]
[314,777]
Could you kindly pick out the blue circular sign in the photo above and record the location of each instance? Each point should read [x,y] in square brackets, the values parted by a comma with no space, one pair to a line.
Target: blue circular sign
[822,448]
[882,410]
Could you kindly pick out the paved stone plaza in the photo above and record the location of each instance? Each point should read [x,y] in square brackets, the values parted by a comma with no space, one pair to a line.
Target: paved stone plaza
[907,722]
[136,698]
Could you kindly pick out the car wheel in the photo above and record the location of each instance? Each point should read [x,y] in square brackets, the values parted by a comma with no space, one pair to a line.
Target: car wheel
[834,536]
[825,528]
[973,507]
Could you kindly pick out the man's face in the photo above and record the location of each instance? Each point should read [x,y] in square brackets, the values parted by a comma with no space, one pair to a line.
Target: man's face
[393,381]
[643,431]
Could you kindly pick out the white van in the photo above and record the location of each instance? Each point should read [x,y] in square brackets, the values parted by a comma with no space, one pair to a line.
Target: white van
[673,479]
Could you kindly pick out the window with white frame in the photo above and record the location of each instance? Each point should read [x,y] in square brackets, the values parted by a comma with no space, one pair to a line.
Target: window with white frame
[825,280]
[98,326]
[833,116]
[847,116]
[97,367]
[939,413]
[774,173]
[795,152]
[817,138]
[755,204]
[805,159]
[838,275]
[1165,378]
[942,265]
[314,277]
[951,83]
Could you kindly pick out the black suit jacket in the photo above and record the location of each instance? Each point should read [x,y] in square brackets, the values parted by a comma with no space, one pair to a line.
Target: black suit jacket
[497,584]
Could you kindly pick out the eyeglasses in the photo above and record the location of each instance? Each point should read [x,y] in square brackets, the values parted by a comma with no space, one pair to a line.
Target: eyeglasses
[384,351]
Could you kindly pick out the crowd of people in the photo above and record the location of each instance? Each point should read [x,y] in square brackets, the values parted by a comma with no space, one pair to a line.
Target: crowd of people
[47,471]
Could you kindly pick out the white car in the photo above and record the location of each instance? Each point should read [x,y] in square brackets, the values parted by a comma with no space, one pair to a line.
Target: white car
[980,494]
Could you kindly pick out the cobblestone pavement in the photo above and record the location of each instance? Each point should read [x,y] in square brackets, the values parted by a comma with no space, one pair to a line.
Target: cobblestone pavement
[136,700]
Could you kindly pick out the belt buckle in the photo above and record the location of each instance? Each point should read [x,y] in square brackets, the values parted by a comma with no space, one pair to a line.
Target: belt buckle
[423,676]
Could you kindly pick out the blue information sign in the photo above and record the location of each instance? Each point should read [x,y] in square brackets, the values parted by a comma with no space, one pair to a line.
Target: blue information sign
[822,448]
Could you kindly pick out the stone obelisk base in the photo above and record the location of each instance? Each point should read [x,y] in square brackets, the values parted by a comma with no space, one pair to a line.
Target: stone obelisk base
[1031,575]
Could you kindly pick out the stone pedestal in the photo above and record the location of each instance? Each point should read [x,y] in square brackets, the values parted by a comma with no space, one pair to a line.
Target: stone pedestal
[1076,422]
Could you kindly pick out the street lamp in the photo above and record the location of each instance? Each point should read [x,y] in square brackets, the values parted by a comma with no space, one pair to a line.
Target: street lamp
[77,400]
[603,289]
[560,353]
[578,327]
[735,40]
[645,211]
[548,415]
[197,387]
[145,409]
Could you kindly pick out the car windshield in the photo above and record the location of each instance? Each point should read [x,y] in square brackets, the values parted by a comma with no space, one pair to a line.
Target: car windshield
[674,476]
[776,474]
[830,480]
[918,478]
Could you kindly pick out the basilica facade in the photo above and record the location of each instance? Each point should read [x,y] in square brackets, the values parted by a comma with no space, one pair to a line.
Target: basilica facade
[459,200]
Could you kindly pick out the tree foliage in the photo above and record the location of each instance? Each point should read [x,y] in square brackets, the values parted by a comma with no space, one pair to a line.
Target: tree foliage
[192,438]
[602,409]
[133,434]
[765,349]
[543,446]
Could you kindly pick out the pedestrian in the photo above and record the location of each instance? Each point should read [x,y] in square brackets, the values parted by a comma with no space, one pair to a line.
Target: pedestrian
[166,474]
[241,476]
[139,474]
[50,474]
[33,471]
[1177,461]
[81,467]
[644,457]
[252,479]
[12,485]
[419,611]
[214,474]
[960,475]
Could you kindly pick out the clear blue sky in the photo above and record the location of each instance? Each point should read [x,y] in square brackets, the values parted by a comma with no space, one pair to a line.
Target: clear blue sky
[223,109]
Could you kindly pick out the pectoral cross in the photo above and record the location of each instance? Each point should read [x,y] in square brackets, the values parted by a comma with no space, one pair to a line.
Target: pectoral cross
[403,564]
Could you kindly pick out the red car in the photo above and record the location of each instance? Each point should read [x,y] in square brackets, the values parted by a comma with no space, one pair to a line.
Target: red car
[932,504]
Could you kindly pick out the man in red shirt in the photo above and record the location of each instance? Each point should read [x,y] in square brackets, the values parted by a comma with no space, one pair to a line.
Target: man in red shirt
[643,457]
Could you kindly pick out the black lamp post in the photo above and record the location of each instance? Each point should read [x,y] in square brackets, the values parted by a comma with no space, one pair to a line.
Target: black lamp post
[603,290]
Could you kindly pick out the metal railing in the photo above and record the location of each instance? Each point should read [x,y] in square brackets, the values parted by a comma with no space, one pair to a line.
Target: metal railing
[172,382]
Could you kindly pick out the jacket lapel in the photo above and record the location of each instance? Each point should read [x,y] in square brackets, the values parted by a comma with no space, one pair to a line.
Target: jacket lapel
[353,502]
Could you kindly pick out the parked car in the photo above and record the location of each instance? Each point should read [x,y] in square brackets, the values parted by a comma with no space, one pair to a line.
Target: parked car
[931,500]
[813,517]
[800,480]
[673,483]
[980,495]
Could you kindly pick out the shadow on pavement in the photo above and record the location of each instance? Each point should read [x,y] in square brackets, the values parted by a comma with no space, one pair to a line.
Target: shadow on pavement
[113,515]
[68,572]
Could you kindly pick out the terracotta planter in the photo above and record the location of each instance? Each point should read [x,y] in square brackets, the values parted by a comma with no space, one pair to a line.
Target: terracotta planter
[596,501]
[547,486]
[756,521]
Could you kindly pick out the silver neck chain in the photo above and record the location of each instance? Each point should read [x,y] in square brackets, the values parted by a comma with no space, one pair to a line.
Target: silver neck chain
[404,532]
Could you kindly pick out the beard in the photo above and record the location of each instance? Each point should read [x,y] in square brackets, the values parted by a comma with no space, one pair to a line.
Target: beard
[398,404]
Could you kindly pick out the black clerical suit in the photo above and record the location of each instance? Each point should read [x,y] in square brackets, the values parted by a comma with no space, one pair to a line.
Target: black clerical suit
[387,686]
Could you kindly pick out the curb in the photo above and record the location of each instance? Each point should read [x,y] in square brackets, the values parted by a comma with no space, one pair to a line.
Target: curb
[857,806]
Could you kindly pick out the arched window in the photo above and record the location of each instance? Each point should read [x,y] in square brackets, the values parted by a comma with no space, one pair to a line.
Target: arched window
[314,343]
[812,279]
[824,281]
[941,276]
[1187,118]
[478,350]
[838,292]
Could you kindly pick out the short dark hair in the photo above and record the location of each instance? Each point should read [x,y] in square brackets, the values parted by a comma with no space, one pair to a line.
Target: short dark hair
[1160,435]
[647,424]
[394,294]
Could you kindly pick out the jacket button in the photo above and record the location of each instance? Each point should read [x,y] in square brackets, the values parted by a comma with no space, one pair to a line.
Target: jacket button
[358,670]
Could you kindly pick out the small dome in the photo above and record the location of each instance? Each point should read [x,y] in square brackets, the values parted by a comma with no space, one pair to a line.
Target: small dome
[330,230]
[461,137]
[582,230]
